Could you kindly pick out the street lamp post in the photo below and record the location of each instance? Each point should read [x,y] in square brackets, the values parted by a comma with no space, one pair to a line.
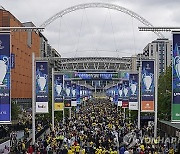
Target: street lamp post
[33,98]
[139,99]
[156,96]
[53,99]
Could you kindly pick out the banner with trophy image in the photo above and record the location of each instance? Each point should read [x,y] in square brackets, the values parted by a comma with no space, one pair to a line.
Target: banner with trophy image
[133,92]
[147,86]
[116,95]
[58,92]
[74,93]
[78,94]
[68,93]
[81,91]
[175,116]
[113,93]
[85,93]
[42,87]
[5,78]
[120,92]
[125,95]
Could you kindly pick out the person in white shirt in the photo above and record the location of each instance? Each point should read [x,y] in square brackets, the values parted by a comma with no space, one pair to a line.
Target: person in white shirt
[126,152]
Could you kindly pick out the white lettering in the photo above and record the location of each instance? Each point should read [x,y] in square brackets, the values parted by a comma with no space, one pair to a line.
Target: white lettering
[3,112]
[177,114]
[176,94]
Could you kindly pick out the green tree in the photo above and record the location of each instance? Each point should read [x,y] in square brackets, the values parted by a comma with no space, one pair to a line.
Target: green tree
[164,94]
[15,110]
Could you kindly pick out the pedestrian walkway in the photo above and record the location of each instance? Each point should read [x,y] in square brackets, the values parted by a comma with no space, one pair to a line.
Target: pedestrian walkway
[99,128]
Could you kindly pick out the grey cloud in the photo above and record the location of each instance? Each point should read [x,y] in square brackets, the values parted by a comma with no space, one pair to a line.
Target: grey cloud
[93,35]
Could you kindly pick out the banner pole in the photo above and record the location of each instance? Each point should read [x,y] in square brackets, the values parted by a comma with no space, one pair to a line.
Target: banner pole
[52,99]
[139,98]
[63,116]
[33,98]
[124,114]
[129,116]
[70,112]
[95,90]
[156,95]
[63,102]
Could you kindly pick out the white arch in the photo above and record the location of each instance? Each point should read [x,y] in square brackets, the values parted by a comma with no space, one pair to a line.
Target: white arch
[100,5]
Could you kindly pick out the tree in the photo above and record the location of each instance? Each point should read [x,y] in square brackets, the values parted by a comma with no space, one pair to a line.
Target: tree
[15,111]
[164,94]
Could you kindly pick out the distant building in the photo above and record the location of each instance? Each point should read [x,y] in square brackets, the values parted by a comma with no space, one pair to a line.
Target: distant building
[136,59]
[160,49]
[23,44]
[43,45]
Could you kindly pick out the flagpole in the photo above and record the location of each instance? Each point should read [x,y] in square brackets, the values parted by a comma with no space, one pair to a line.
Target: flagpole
[33,99]
[53,99]
[139,98]
[156,95]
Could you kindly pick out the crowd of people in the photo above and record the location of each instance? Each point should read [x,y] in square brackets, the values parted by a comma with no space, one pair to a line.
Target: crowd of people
[98,128]
[19,144]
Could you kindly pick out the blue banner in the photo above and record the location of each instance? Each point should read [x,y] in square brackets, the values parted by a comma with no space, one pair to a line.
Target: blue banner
[86,92]
[176,78]
[74,91]
[58,88]
[115,98]
[98,75]
[42,87]
[120,93]
[78,94]
[81,91]
[41,81]
[125,95]
[5,78]
[133,92]
[112,92]
[68,93]
[147,86]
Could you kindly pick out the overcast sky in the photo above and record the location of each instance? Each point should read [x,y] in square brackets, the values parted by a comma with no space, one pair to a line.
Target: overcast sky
[97,31]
